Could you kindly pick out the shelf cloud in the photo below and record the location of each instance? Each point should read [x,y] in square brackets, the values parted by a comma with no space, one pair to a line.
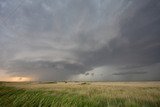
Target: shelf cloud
[52,40]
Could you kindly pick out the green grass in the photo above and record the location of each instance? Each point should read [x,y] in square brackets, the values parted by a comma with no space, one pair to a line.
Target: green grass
[78,96]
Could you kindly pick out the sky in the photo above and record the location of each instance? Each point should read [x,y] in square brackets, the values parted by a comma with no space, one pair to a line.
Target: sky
[79,40]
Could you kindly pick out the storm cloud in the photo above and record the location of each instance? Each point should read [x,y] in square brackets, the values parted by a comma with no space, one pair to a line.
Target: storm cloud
[115,40]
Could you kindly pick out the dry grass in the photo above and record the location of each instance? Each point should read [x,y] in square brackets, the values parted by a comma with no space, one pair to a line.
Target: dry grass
[124,93]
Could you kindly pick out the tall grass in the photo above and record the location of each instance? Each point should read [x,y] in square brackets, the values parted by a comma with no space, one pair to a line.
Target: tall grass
[83,96]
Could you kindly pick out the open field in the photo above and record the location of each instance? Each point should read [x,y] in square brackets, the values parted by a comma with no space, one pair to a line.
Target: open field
[79,94]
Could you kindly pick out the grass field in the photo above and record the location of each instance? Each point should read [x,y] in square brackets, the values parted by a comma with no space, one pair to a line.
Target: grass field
[78,94]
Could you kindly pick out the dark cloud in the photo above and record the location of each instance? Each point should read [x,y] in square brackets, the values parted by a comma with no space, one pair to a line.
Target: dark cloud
[86,74]
[129,73]
[55,39]
[53,70]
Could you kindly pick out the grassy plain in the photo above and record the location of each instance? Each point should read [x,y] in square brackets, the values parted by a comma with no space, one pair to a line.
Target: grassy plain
[79,94]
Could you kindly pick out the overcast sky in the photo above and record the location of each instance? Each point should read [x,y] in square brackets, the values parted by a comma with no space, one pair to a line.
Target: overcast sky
[99,40]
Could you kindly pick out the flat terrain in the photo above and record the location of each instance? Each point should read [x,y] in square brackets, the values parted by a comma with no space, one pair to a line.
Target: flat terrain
[80,94]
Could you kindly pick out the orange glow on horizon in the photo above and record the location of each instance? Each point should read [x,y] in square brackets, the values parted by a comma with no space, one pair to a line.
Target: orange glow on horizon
[16,79]
[4,76]
[19,79]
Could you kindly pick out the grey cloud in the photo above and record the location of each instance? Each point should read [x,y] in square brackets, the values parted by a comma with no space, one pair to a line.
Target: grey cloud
[56,39]
[130,47]
[54,70]
[86,74]
[129,73]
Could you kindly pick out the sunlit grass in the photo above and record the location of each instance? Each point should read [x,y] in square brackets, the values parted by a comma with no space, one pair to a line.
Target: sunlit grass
[80,95]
